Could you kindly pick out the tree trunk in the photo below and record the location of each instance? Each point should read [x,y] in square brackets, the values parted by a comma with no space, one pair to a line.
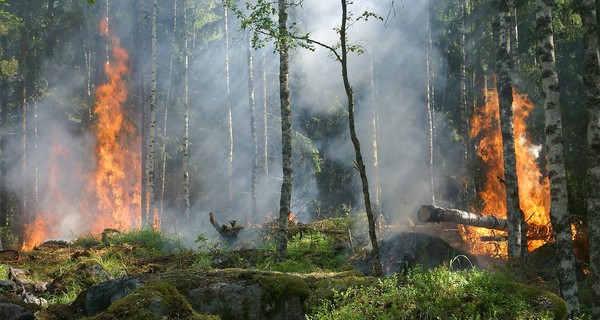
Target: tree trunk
[186,120]
[429,105]
[265,133]
[374,143]
[163,177]
[439,214]
[503,68]
[229,117]
[286,131]
[556,162]
[464,111]
[356,143]
[591,81]
[150,151]
[22,107]
[254,137]
[142,16]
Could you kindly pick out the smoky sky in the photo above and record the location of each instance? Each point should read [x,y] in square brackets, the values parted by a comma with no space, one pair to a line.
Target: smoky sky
[397,47]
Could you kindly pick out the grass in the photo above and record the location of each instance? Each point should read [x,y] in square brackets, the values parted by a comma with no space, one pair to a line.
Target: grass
[443,294]
[418,294]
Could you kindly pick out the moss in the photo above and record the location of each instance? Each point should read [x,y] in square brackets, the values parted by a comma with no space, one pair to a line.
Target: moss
[323,285]
[544,301]
[154,300]
[279,287]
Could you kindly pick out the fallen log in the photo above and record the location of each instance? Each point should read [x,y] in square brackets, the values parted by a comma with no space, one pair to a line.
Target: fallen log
[430,213]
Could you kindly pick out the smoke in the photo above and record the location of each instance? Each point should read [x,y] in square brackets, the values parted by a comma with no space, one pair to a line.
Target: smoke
[397,48]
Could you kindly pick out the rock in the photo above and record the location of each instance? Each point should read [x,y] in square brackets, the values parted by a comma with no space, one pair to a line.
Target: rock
[8,285]
[228,294]
[153,300]
[55,243]
[9,311]
[108,235]
[405,250]
[99,297]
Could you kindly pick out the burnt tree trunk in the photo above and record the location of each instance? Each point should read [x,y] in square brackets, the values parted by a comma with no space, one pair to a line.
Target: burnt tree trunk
[438,214]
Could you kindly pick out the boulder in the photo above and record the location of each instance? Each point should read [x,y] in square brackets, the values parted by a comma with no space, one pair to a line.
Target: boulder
[10,311]
[228,294]
[405,250]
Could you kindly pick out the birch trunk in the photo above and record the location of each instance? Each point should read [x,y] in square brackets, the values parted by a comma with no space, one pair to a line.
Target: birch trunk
[429,106]
[286,131]
[556,163]
[591,81]
[22,107]
[150,151]
[374,144]
[265,133]
[229,117]
[254,137]
[186,119]
[464,111]
[166,115]
[503,68]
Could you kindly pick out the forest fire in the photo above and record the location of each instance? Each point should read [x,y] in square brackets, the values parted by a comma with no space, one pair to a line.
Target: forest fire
[117,179]
[534,190]
[111,191]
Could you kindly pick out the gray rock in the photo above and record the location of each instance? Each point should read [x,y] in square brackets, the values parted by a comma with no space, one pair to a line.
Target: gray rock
[9,311]
[101,296]
[8,285]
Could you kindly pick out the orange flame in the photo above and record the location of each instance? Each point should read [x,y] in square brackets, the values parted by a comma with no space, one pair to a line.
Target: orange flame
[117,179]
[111,193]
[44,224]
[534,190]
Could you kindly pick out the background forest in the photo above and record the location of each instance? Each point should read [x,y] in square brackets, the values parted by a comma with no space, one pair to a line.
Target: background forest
[225,116]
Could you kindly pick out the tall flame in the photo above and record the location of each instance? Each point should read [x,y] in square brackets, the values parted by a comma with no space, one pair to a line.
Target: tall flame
[110,195]
[534,189]
[117,179]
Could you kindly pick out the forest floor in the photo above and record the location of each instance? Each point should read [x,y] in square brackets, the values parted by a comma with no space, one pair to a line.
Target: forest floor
[60,271]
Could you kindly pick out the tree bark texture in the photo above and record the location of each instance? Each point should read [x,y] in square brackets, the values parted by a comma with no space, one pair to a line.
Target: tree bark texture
[229,116]
[377,268]
[150,150]
[503,68]
[559,214]
[591,81]
[439,214]
[253,134]
[429,105]
[186,119]
[286,131]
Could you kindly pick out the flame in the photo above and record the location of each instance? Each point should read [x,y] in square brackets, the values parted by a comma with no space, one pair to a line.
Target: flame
[39,229]
[110,192]
[534,189]
[117,179]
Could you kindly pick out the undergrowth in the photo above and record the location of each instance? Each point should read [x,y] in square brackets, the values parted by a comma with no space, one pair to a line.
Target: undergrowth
[443,294]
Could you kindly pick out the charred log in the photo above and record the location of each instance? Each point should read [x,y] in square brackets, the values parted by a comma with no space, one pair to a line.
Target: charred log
[228,232]
[438,214]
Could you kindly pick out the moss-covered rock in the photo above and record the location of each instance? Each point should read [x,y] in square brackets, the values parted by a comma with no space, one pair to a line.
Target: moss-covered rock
[154,300]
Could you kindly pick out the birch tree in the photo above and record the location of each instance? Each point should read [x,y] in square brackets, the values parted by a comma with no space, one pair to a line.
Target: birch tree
[186,118]
[503,68]
[253,134]
[150,151]
[556,163]
[591,81]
